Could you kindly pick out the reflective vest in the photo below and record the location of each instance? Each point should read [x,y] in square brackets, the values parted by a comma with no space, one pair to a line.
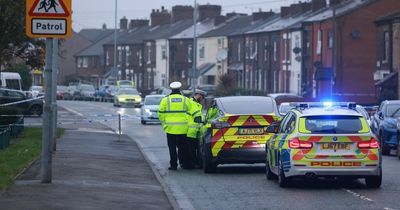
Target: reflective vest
[195,111]
[173,115]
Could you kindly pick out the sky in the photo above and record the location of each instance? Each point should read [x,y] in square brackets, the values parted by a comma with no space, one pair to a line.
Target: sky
[93,13]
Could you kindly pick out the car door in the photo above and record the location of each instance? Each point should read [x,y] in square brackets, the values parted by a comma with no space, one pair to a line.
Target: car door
[15,97]
[273,149]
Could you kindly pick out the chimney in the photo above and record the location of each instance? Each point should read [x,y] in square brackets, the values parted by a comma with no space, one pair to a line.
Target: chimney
[318,4]
[233,14]
[334,2]
[296,9]
[285,11]
[260,15]
[123,23]
[208,11]
[137,23]
[162,17]
[180,12]
[104,27]
[219,20]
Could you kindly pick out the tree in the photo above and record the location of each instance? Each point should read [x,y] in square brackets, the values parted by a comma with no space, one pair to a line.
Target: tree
[13,41]
[226,85]
[25,74]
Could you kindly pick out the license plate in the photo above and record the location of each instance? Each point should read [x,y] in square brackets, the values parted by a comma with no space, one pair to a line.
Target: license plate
[251,131]
[335,146]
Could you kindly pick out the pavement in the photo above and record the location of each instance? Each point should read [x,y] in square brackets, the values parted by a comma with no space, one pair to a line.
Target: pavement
[93,168]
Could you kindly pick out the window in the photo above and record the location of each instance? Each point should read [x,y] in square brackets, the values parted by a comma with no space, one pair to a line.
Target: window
[319,42]
[265,50]
[330,39]
[119,56]
[386,46]
[127,55]
[190,53]
[12,84]
[332,125]
[247,53]
[239,52]
[79,62]
[149,55]
[139,55]
[275,51]
[85,62]
[201,51]
[220,43]
[107,58]
[164,52]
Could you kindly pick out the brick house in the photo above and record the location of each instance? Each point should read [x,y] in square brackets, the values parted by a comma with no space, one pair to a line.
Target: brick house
[354,56]
[388,56]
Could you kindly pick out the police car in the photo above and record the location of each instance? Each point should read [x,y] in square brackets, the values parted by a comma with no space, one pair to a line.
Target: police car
[234,130]
[323,140]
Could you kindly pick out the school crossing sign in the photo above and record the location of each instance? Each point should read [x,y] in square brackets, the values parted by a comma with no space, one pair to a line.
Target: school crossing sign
[48,18]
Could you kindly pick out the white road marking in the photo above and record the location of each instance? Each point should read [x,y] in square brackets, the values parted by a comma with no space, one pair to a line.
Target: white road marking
[362,197]
[386,208]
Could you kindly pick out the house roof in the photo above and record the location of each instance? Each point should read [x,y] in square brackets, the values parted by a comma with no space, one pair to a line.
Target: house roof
[134,36]
[94,35]
[253,25]
[166,31]
[228,27]
[341,9]
[96,49]
[281,23]
[393,16]
[201,28]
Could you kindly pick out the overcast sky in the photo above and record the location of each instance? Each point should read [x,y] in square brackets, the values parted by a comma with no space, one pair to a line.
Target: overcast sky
[93,13]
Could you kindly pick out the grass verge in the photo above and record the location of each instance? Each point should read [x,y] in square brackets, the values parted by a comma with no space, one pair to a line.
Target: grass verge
[21,152]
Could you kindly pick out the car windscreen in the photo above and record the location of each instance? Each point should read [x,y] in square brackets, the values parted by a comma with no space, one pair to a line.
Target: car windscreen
[331,125]
[153,100]
[248,107]
[13,84]
[62,88]
[87,88]
[128,92]
[285,108]
[393,110]
[37,88]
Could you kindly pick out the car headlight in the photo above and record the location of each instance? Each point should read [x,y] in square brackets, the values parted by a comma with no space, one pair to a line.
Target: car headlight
[147,110]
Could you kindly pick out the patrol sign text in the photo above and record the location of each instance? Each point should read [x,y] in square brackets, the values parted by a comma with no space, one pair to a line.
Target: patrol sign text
[49,26]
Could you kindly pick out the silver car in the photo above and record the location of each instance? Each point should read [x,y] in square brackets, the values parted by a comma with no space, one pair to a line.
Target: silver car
[149,109]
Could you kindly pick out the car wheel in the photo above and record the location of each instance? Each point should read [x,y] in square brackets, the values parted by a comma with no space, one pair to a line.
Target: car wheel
[385,149]
[208,166]
[374,181]
[36,110]
[143,122]
[283,181]
[269,174]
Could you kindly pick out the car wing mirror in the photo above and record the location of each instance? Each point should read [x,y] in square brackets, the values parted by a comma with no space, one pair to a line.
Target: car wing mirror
[380,114]
[198,119]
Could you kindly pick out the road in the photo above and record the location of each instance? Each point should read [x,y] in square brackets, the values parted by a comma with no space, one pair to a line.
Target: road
[242,186]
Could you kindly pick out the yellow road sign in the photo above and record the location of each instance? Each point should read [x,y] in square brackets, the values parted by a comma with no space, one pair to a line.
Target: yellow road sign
[48,18]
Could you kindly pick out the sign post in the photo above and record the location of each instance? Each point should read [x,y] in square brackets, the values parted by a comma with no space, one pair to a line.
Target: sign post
[50,19]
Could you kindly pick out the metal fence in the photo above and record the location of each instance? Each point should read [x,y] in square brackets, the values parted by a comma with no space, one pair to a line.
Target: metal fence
[8,131]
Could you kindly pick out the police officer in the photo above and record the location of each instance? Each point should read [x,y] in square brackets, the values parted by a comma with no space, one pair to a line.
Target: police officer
[173,117]
[192,141]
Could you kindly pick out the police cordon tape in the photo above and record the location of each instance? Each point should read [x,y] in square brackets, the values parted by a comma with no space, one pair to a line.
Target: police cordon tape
[22,101]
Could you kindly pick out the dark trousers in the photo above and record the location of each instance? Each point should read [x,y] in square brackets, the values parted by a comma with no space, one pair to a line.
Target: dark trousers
[176,149]
[191,153]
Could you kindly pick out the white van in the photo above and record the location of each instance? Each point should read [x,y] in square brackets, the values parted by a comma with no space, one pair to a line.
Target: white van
[10,80]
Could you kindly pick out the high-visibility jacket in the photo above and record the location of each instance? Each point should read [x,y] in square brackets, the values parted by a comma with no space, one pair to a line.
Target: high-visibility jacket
[195,111]
[172,114]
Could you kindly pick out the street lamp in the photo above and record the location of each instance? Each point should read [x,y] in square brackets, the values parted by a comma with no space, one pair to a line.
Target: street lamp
[194,48]
[115,40]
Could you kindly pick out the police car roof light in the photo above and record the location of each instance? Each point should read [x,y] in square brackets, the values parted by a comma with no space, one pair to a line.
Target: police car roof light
[306,105]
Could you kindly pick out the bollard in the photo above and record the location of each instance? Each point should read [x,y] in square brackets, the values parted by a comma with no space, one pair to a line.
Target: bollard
[119,127]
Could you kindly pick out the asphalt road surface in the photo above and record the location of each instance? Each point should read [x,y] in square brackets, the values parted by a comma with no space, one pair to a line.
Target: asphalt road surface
[242,186]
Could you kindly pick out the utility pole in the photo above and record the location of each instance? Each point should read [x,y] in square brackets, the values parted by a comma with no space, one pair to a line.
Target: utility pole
[55,68]
[333,78]
[115,40]
[194,60]
[46,161]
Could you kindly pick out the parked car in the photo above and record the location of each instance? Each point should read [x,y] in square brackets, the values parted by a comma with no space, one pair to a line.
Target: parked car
[61,90]
[150,108]
[384,125]
[125,84]
[161,91]
[85,92]
[360,109]
[36,91]
[34,106]
[127,97]
[235,132]
[69,94]
[285,108]
[106,92]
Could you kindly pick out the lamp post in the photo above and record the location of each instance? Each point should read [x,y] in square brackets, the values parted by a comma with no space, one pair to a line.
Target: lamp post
[194,59]
[115,40]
